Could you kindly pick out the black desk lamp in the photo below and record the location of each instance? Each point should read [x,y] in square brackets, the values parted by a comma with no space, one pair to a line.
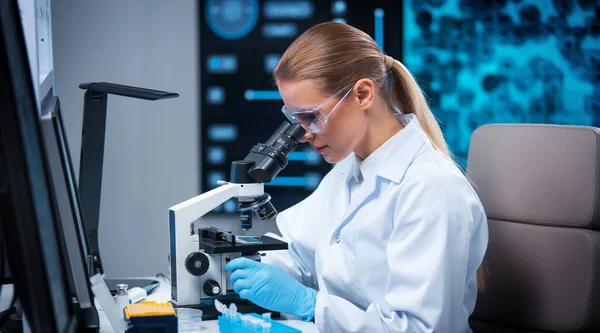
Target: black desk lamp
[92,154]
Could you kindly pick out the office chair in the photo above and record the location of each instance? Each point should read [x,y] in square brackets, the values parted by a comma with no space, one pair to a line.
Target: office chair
[540,187]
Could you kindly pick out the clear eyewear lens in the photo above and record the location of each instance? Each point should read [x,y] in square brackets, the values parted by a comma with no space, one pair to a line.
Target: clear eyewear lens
[312,119]
[326,118]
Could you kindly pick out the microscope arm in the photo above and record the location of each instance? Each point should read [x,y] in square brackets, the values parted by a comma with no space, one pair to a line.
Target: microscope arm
[196,207]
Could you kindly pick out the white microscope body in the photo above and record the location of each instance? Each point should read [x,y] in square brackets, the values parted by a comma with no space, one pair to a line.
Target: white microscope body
[186,239]
[198,255]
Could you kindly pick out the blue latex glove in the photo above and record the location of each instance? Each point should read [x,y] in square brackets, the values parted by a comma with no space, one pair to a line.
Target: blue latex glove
[271,288]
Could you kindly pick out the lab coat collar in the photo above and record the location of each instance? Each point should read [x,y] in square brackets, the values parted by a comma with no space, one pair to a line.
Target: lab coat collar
[401,149]
[365,169]
[391,160]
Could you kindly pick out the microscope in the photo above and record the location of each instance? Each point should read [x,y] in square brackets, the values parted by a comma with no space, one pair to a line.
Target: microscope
[198,255]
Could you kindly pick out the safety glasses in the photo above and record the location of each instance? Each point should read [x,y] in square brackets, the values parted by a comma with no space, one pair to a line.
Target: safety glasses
[312,119]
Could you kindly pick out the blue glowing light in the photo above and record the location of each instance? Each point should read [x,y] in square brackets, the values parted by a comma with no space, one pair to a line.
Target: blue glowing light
[230,206]
[213,177]
[339,7]
[223,132]
[379,13]
[222,63]
[309,181]
[252,95]
[290,10]
[271,61]
[215,95]
[279,30]
[231,19]
[309,157]
[216,155]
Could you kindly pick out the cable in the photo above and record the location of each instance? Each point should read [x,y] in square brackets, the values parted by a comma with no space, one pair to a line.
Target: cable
[163,276]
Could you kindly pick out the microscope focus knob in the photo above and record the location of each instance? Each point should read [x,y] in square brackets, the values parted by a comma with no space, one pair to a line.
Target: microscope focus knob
[196,263]
[212,288]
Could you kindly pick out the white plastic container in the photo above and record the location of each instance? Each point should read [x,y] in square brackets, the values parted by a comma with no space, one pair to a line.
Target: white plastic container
[189,320]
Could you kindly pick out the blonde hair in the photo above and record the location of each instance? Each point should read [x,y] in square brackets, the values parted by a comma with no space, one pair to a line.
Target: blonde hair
[337,54]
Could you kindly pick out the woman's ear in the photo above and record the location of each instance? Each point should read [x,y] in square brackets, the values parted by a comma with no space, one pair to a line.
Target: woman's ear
[365,93]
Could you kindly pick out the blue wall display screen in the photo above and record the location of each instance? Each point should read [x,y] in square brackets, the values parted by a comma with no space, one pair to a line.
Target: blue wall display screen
[241,41]
[508,61]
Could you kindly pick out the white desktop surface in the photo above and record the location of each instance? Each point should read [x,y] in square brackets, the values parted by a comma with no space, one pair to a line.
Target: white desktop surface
[163,294]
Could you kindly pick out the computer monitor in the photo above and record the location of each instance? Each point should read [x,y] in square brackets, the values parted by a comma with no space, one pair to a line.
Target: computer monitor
[38,209]
[74,241]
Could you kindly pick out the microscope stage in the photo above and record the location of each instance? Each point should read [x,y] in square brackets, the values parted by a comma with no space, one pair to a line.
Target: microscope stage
[246,244]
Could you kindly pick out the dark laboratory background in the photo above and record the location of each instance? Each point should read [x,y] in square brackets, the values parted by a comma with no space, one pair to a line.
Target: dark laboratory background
[478,62]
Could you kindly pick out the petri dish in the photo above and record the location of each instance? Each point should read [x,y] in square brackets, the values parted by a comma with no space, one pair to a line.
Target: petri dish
[189,320]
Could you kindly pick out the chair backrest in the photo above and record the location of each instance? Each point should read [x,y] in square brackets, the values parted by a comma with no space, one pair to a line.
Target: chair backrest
[540,187]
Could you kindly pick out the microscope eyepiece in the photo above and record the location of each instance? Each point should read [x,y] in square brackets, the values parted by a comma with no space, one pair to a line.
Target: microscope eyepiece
[271,157]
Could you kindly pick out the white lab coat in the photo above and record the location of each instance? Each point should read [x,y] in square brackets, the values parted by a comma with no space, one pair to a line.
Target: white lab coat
[402,255]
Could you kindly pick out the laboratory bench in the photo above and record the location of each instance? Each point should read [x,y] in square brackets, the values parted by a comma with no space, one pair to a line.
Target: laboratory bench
[163,294]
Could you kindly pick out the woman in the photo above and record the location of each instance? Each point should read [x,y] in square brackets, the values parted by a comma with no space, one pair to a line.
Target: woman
[392,238]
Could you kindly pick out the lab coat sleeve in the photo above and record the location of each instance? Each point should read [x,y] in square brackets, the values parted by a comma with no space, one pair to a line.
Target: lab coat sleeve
[427,256]
[299,260]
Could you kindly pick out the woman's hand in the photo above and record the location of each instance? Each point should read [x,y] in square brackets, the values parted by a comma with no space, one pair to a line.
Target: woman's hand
[271,288]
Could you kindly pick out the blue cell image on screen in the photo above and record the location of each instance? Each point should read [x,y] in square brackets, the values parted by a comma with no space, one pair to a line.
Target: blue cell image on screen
[511,61]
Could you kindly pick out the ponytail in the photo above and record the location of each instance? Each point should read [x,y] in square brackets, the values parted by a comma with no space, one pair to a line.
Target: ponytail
[406,94]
